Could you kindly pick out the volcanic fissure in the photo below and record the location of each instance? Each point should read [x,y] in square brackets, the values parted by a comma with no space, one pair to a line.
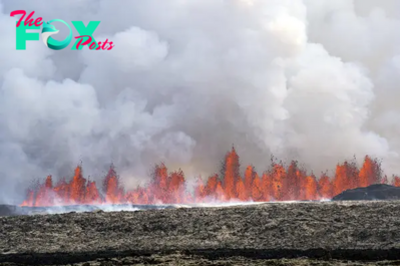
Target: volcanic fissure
[280,183]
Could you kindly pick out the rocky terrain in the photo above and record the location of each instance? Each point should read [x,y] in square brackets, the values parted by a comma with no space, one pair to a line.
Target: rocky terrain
[313,233]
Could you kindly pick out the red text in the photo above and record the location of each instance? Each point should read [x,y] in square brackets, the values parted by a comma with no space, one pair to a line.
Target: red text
[28,20]
[103,46]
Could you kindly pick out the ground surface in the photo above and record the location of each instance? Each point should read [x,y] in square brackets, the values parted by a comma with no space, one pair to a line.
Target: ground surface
[245,235]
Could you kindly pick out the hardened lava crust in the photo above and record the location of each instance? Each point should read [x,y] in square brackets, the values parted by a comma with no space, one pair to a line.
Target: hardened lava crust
[306,233]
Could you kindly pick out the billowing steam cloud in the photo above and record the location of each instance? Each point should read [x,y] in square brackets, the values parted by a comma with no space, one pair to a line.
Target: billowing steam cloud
[310,80]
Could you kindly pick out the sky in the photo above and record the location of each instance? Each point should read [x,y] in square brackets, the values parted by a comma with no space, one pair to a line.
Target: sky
[309,80]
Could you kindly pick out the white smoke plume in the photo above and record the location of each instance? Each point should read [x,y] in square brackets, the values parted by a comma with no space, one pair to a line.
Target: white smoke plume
[310,80]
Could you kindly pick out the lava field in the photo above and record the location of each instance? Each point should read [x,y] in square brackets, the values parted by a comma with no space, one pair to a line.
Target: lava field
[308,233]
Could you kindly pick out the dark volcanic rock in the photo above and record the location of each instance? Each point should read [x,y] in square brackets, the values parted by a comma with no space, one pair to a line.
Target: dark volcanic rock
[368,230]
[9,210]
[373,192]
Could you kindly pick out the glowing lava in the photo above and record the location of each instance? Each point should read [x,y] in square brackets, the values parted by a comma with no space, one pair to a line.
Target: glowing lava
[278,184]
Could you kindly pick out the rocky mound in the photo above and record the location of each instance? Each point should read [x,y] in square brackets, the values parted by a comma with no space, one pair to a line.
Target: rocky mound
[373,192]
[9,210]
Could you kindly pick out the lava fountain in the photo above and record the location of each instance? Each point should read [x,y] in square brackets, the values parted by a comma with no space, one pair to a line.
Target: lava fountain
[280,183]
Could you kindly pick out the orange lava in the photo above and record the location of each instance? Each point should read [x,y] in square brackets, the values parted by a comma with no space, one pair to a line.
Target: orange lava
[280,183]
